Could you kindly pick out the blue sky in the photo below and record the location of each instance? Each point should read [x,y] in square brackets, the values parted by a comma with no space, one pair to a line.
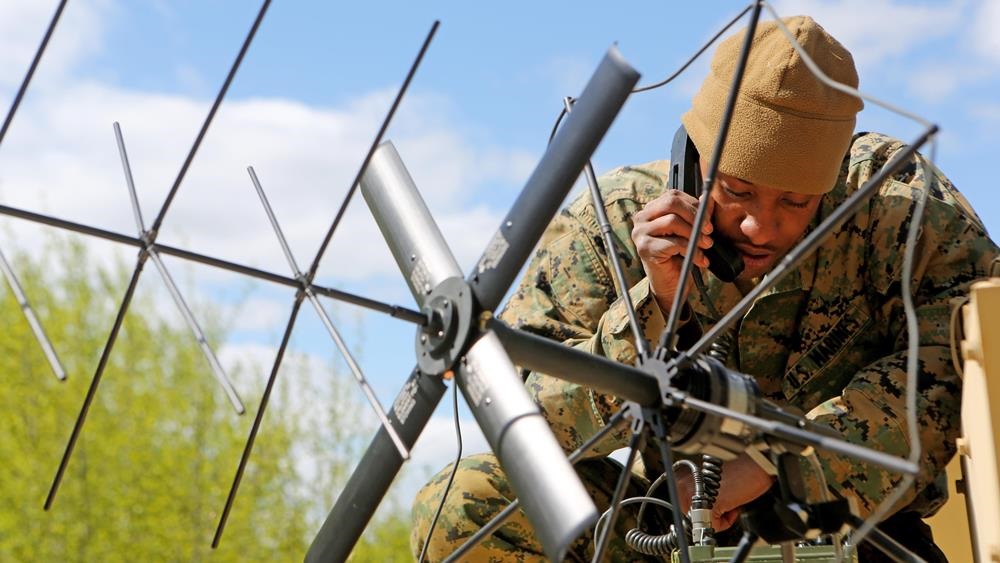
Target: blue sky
[318,80]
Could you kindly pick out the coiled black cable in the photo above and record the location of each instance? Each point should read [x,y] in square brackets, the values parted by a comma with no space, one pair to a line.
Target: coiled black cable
[711,477]
[648,544]
[664,544]
[711,466]
[651,544]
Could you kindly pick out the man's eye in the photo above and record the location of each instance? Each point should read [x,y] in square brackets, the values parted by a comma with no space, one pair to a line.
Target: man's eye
[733,193]
[797,204]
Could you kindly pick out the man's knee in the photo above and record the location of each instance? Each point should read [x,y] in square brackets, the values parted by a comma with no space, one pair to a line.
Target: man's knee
[479,492]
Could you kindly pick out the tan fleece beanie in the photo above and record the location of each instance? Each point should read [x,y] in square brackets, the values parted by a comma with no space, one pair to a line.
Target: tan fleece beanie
[789,130]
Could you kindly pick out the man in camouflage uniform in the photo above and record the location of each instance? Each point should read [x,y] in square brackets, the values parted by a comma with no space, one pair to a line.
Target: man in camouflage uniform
[829,339]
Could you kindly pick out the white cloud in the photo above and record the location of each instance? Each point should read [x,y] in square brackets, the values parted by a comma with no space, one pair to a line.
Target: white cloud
[22,25]
[257,313]
[984,35]
[435,448]
[62,160]
[437,445]
[863,25]
[937,81]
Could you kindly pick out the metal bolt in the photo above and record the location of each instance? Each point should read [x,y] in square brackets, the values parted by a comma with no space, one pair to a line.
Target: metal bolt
[509,224]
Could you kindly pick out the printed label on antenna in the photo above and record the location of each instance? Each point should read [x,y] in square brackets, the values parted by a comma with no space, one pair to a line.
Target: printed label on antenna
[420,277]
[475,385]
[406,400]
[494,252]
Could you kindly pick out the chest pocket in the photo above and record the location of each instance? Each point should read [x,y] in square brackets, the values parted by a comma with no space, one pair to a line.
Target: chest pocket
[841,347]
[769,331]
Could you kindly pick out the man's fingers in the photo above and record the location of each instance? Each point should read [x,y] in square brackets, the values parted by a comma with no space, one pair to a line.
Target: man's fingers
[708,213]
[674,225]
[670,202]
[660,250]
[725,520]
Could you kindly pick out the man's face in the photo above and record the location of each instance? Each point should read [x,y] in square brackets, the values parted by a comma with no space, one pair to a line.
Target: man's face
[762,222]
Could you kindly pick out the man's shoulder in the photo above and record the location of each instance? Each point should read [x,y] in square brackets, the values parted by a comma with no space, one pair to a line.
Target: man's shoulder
[871,151]
[870,146]
[627,187]
[954,242]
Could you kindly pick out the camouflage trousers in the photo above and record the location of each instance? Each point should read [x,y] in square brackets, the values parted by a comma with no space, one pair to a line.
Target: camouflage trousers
[480,491]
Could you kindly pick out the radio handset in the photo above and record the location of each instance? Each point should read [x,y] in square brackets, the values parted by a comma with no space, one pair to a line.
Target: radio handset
[723,259]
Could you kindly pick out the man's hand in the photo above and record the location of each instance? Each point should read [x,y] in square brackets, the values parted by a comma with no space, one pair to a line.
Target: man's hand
[661,231]
[742,481]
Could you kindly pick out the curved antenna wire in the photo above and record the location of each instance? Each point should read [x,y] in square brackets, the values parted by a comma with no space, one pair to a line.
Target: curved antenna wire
[31,70]
[912,329]
[306,281]
[640,341]
[670,78]
[666,337]
[697,53]
[140,262]
[912,365]
[818,73]
[642,345]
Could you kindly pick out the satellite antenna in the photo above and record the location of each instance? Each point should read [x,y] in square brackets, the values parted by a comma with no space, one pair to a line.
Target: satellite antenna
[459,336]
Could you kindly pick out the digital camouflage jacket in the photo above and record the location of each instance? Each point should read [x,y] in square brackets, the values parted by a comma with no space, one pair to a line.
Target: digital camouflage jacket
[830,339]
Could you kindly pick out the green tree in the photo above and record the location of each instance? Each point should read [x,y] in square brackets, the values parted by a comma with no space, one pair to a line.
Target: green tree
[152,467]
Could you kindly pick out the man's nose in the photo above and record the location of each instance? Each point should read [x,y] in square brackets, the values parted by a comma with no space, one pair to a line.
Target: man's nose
[758,228]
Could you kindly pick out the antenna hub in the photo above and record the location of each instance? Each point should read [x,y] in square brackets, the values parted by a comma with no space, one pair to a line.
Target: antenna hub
[449,309]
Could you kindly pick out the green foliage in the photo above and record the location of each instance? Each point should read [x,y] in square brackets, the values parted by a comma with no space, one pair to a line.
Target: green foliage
[387,541]
[151,470]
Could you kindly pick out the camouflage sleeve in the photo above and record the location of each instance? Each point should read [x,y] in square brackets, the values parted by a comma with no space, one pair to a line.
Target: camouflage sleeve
[575,412]
[567,294]
[953,251]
